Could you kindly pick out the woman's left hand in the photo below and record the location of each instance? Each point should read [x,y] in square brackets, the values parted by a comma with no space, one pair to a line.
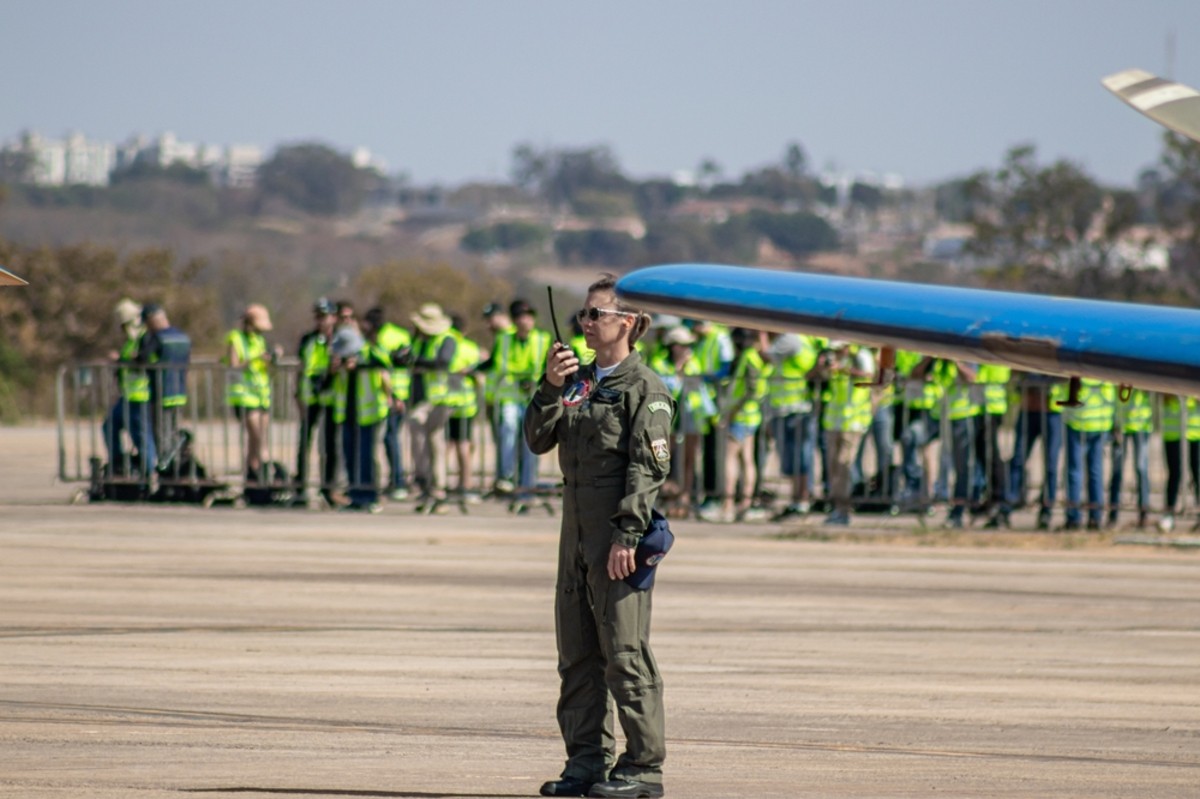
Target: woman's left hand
[621,562]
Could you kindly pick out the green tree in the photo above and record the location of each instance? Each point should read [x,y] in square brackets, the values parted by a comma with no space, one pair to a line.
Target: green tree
[15,166]
[597,247]
[798,234]
[795,161]
[1024,213]
[1178,200]
[142,170]
[505,236]
[315,178]
[564,176]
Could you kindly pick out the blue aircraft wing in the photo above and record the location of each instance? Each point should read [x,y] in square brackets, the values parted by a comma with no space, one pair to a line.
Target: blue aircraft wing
[1146,346]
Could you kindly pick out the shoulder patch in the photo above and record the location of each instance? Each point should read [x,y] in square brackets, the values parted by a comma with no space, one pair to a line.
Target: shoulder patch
[662,450]
[660,406]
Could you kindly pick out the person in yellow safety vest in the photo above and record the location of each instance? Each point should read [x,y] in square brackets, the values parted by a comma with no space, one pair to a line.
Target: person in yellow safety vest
[652,348]
[1180,424]
[498,322]
[680,372]
[991,381]
[314,401]
[880,434]
[394,341]
[845,417]
[248,389]
[962,407]
[917,395]
[1132,427]
[129,411]
[429,405]
[362,397]
[464,397]
[517,360]
[739,421]
[1040,416]
[793,417]
[166,351]
[1088,429]
[714,351]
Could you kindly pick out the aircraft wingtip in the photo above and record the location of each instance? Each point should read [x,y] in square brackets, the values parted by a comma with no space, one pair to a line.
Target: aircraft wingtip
[7,278]
[1119,81]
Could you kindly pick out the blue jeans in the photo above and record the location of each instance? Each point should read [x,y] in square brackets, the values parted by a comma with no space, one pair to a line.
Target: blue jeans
[962,443]
[880,433]
[1141,469]
[1030,426]
[358,445]
[1085,450]
[920,430]
[510,439]
[796,438]
[393,450]
[134,417]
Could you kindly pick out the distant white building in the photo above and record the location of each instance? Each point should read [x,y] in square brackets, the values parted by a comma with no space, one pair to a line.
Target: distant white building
[362,158]
[67,162]
[240,166]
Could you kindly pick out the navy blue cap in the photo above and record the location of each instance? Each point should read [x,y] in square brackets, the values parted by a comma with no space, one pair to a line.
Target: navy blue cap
[653,547]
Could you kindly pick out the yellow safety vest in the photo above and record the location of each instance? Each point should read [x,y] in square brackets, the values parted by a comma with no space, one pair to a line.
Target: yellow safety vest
[314,366]
[370,396]
[1099,406]
[847,406]
[1172,418]
[583,352]
[749,384]
[437,384]
[250,386]
[961,401]
[390,339]
[134,383]
[788,391]
[519,363]
[995,388]
[918,394]
[1135,415]
[463,398]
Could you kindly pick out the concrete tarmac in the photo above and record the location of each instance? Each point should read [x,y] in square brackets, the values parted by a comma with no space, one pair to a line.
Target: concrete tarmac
[175,651]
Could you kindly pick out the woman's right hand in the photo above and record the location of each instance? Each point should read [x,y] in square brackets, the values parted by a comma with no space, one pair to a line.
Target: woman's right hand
[561,364]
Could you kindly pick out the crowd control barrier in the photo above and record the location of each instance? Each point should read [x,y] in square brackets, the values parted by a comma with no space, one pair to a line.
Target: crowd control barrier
[195,446]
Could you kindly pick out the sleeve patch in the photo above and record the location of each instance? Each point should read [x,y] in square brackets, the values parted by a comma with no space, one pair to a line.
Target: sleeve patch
[660,406]
[662,450]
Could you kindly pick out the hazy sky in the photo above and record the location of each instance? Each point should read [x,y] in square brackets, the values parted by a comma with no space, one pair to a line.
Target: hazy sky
[929,89]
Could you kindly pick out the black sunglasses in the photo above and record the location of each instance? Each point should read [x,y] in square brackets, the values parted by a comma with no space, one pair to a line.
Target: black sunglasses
[593,314]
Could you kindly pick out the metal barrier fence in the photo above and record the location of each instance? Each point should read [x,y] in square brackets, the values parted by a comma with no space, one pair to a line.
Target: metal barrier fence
[908,461]
[202,448]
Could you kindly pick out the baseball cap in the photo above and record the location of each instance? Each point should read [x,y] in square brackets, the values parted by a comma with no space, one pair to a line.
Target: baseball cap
[128,311]
[653,547]
[520,308]
[258,316]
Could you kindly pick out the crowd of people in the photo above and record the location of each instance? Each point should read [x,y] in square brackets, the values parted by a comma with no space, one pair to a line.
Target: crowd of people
[748,402]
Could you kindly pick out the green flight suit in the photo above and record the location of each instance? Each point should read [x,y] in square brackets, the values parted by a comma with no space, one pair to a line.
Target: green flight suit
[614,448]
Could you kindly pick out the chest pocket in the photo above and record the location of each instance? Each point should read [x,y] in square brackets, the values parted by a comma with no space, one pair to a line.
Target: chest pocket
[603,418]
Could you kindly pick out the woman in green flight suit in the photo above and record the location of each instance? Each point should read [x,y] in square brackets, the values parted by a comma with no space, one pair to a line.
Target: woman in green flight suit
[612,423]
